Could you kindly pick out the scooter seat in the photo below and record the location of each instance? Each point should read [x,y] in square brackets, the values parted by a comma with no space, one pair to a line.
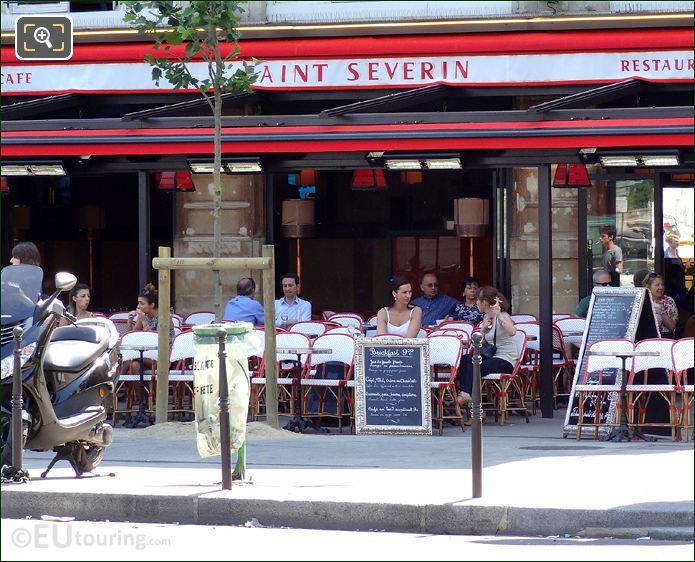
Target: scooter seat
[72,348]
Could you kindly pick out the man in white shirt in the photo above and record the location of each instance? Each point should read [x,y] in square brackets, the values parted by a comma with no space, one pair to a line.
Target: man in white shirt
[290,308]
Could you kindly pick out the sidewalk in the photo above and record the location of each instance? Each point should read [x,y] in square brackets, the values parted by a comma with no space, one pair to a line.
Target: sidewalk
[534,483]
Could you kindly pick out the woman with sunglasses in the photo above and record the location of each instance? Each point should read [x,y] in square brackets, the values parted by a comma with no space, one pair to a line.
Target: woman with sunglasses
[601,279]
[665,309]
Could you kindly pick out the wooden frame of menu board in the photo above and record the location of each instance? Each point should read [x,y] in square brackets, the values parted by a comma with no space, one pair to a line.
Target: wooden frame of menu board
[392,386]
[614,312]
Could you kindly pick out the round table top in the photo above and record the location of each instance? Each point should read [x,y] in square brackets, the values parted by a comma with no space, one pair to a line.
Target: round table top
[606,353]
[303,350]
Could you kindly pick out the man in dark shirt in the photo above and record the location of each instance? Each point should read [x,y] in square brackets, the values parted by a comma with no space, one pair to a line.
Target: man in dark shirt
[612,256]
[434,306]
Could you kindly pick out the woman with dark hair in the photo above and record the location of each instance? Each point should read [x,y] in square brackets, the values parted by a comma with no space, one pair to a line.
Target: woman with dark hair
[25,253]
[144,317]
[498,329]
[78,302]
[468,311]
[402,318]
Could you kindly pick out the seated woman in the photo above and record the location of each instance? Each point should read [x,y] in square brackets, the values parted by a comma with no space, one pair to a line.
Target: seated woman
[497,328]
[143,318]
[78,304]
[468,311]
[665,309]
[402,318]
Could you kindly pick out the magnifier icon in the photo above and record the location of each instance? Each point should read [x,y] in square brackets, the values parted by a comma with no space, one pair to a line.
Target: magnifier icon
[42,35]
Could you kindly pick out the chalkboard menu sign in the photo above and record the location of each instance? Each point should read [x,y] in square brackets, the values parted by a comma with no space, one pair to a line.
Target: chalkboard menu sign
[392,386]
[614,312]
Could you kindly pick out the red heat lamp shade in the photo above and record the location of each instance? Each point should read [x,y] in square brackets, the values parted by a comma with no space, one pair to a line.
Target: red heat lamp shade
[571,175]
[5,186]
[369,178]
[307,177]
[179,181]
[412,178]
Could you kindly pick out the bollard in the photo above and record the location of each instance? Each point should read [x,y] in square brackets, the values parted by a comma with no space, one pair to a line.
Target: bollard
[17,425]
[477,425]
[224,413]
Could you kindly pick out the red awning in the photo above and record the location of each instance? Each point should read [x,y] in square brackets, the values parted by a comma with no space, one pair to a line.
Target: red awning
[351,138]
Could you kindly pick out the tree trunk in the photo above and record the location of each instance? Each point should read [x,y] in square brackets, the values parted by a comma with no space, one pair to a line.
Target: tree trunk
[217,180]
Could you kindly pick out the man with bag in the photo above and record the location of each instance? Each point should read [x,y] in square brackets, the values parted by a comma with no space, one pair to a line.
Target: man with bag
[498,351]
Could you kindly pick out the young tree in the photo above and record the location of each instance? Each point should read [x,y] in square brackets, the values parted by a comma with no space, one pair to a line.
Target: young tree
[205,28]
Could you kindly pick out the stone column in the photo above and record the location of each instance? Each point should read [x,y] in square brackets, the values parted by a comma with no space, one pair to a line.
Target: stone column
[243,234]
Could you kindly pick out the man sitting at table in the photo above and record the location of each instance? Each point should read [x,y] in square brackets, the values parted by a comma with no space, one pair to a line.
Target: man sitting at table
[434,306]
[291,308]
[244,307]
[601,279]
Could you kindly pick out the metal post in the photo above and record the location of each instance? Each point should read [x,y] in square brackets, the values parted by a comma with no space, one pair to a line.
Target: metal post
[477,424]
[545,289]
[589,265]
[224,412]
[17,441]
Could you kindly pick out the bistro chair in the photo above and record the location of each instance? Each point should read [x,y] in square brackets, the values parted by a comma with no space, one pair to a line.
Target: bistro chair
[309,328]
[257,375]
[575,326]
[517,318]
[199,317]
[594,390]
[319,382]
[561,315]
[530,366]
[181,376]
[445,351]
[682,354]
[348,320]
[326,314]
[505,392]
[652,381]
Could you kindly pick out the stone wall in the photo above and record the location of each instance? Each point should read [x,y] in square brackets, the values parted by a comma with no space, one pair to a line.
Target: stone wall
[524,244]
[243,234]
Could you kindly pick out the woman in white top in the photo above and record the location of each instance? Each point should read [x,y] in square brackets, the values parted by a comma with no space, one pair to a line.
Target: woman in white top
[402,318]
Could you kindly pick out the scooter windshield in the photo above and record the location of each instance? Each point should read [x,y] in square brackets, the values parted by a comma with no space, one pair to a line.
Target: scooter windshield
[21,289]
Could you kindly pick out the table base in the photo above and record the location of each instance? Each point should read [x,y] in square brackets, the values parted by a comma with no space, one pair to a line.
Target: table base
[141,417]
[298,424]
[626,434]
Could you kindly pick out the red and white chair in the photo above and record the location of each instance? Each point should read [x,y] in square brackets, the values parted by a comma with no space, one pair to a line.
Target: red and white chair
[445,351]
[506,392]
[572,330]
[181,376]
[643,384]
[309,328]
[682,353]
[315,379]
[199,317]
[517,318]
[602,376]
[348,320]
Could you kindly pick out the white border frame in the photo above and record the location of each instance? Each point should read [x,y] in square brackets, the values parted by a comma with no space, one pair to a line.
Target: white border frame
[361,426]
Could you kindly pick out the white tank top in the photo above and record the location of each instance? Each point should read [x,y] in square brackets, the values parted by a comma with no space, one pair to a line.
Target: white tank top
[401,330]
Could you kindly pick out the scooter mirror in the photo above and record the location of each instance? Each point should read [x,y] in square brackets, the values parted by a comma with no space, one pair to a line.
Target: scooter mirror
[65,281]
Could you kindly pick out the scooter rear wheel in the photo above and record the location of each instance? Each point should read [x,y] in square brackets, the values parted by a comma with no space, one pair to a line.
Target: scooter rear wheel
[89,457]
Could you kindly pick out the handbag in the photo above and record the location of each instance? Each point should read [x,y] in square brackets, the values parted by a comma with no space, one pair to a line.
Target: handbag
[488,350]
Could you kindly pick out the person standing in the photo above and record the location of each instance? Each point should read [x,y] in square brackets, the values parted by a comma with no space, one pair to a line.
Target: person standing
[244,307]
[434,306]
[601,279]
[290,308]
[612,255]
[401,318]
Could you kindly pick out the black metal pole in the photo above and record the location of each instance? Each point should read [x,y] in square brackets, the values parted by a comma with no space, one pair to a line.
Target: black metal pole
[545,289]
[224,412]
[17,441]
[590,265]
[477,424]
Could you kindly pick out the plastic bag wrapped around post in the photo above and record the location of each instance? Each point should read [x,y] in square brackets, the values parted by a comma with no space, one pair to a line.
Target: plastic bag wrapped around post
[241,343]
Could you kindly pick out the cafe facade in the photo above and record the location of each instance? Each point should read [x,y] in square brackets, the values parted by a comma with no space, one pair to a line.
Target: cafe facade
[362,153]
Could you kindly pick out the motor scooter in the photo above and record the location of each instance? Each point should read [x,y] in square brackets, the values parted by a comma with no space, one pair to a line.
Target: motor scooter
[67,372]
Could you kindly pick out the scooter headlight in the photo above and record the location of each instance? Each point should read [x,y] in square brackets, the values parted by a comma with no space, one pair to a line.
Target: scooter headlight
[8,362]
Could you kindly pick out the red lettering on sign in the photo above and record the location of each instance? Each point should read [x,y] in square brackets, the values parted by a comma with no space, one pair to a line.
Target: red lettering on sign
[353,72]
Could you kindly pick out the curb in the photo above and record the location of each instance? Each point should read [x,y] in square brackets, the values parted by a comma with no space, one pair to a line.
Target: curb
[672,522]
